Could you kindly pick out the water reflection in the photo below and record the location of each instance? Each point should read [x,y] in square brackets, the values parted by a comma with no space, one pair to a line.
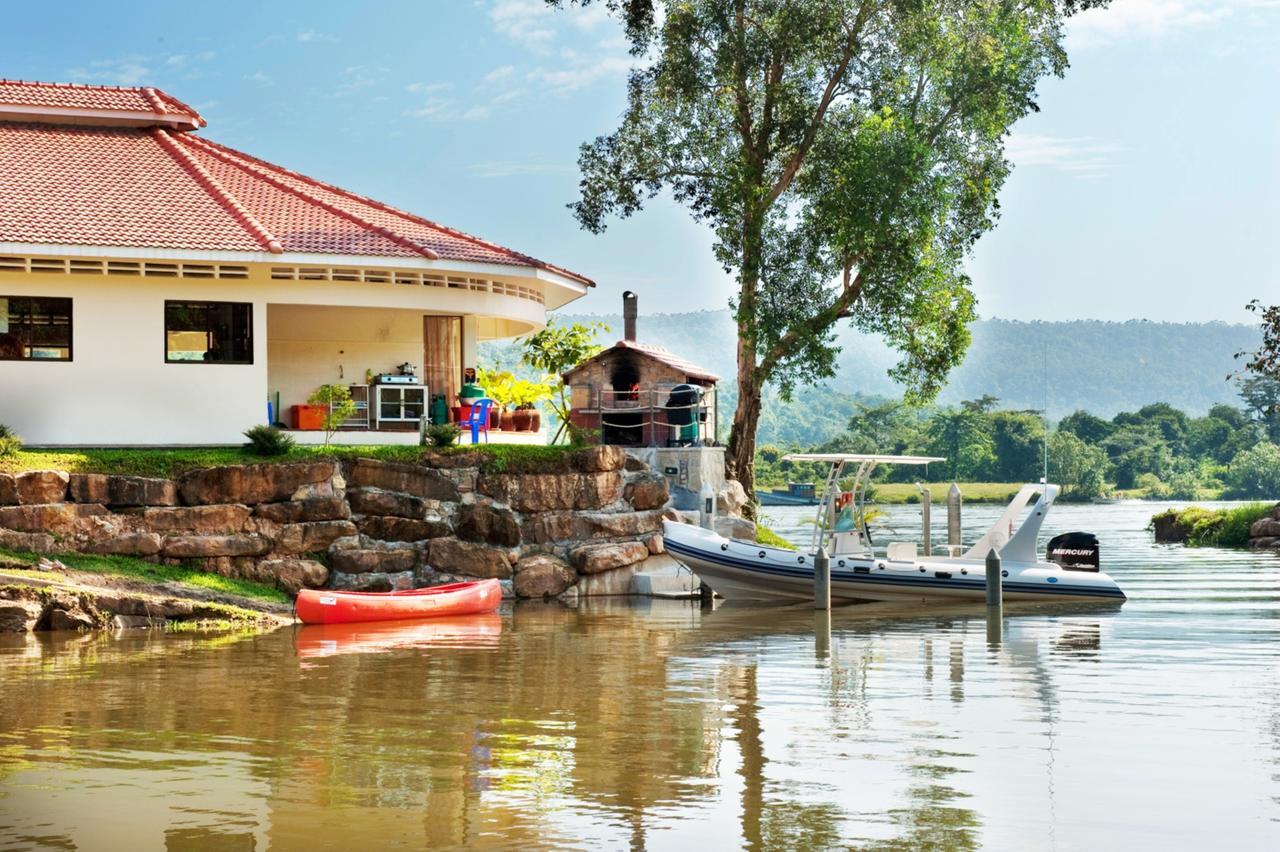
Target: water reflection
[665,726]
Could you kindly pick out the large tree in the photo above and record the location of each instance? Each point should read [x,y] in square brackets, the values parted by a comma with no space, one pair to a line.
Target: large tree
[846,154]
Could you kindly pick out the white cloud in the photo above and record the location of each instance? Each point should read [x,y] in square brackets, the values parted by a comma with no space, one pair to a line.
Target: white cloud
[427,88]
[1152,20]
[528,22]
[358,77]
[476,113]
[128,71]
[1083,155]
[261,78]
[313,37]
[502,72]
[434,108]
[582,73]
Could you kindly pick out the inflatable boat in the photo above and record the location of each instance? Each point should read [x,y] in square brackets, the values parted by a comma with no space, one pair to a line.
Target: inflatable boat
[738,570]
[324,606]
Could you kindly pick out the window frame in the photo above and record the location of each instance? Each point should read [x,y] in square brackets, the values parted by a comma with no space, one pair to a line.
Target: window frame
[208,303]
[70,332]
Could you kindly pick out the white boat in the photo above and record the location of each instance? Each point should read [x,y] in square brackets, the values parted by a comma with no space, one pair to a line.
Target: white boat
[739,570]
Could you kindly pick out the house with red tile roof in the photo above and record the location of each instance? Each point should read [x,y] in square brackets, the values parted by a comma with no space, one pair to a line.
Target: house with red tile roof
[157,287]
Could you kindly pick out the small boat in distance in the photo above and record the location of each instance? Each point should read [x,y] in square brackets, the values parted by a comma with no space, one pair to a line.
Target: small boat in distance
[740,570]
[326,606]
[795,494]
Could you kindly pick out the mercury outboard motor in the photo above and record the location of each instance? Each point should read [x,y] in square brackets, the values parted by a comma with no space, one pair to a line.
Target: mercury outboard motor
[1074,551]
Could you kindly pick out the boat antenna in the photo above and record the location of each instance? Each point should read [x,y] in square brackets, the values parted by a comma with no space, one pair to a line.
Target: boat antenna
[1044,413]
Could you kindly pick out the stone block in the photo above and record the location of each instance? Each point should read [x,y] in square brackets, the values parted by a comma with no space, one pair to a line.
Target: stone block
[8,490]
[542,576]
[664,577]
[738,529]
[311,537]
[304,511]
[293,575]
[59,519]
[375,501]
[255,483]
[392,528]
[731,499]
[127,544]
[464,557]
[68,619]
[32,542]
[606,457]
[221,518]
[606,583]
[17,616]
[192,546]
[595,558]
[553,492]
[372,581]
[489,524]
[646,490]
[122,490]
[41,486]
[413,479]
[365,560]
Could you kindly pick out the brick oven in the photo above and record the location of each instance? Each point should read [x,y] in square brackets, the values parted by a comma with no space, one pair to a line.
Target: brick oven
[640,395]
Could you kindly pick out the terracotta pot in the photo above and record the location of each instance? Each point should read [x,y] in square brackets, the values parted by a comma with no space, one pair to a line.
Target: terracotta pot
[537,420]
[507,422]
[523,419]
[495,417]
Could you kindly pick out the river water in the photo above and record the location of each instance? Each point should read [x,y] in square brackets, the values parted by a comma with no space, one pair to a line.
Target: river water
[658,725]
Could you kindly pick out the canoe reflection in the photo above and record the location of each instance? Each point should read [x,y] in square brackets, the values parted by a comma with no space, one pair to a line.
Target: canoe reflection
[314,641]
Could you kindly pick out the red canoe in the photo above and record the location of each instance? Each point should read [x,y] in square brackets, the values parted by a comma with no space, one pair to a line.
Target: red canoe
[322,606]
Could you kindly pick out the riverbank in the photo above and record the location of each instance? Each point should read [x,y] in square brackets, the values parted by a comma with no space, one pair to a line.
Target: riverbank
[84,592]
[1254,525]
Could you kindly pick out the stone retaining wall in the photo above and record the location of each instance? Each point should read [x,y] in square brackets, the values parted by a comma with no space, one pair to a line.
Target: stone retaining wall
[1265,532]
[367,524]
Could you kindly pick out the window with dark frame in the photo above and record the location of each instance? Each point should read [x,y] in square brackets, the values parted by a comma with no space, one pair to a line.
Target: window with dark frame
[34,328]
[208,332]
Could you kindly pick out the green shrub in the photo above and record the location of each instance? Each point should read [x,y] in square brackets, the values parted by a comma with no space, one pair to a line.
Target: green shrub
[10,443]
[1201,527]
[267,441]
[443,434]
[769,538]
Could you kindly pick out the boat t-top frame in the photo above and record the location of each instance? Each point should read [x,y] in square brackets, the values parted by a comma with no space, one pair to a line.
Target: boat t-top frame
[824,523]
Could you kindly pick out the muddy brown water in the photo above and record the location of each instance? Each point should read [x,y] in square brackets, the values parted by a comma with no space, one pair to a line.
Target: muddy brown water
[658,725]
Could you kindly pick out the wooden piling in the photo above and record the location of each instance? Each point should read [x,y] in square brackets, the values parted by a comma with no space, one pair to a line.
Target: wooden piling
[822,580]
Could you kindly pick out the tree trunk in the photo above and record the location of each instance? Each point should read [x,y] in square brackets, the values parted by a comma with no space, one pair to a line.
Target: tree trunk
[740,455]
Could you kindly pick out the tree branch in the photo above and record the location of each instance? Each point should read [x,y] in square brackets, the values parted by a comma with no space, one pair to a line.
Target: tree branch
[850,290]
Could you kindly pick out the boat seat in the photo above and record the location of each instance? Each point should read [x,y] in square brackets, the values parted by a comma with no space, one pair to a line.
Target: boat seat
[901,551]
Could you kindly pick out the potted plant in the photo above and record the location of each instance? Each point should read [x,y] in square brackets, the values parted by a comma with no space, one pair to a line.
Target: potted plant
[526,395]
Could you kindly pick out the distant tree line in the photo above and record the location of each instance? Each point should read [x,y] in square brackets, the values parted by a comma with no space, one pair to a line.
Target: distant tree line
[1157,451]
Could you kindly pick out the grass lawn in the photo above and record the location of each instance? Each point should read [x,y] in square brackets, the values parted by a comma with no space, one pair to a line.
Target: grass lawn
[126,567]
[170,462]
[971,492]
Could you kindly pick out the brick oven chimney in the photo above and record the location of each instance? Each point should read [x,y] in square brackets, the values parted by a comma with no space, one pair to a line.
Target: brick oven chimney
[629,311]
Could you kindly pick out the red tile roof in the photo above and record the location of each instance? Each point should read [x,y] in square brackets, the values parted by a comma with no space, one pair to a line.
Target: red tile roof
[136,181]
[658,353]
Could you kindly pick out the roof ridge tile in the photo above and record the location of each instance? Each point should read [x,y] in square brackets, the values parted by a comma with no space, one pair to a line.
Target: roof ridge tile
[218,191]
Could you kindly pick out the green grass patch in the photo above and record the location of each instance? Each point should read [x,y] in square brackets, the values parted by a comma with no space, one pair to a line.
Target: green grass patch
[971,492]
[1197,526]
[769,538]
[151,572]
[167,463]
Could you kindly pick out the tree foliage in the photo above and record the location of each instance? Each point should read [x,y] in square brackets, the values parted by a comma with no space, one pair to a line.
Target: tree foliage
[555,349]
[846,155]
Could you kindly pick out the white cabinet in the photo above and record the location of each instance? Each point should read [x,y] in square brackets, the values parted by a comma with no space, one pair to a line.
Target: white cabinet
[398,405]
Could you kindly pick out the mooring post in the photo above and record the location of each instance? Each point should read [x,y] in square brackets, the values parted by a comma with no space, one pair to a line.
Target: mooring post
[995,596]
[821,634]
[926,517]
[822,580]
[953,518]
[707,502]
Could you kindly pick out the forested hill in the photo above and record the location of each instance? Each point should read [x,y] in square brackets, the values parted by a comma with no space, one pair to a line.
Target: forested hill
[1104,367]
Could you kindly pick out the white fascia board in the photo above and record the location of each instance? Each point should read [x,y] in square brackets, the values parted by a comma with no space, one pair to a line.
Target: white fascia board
[112,117]
[497,270]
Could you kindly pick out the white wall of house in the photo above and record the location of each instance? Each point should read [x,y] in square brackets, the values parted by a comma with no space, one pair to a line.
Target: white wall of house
[118,390]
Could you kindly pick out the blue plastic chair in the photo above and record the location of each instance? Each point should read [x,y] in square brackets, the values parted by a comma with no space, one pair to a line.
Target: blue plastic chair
[479,419]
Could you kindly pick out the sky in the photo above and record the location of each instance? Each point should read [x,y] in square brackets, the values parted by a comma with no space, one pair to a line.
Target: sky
[1148,185]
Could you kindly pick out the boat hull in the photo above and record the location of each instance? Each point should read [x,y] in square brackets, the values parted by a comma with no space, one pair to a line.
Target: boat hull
[322,606]
[738,570]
